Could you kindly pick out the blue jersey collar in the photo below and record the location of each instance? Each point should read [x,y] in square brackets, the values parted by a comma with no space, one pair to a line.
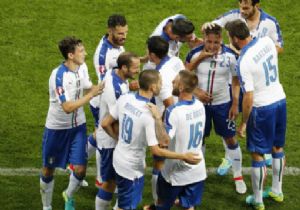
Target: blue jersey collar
[162,62]
[141,98]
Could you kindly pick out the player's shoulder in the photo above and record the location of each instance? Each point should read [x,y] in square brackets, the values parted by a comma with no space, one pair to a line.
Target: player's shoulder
[194,51]
[266,16]
[228,50]
[230,12]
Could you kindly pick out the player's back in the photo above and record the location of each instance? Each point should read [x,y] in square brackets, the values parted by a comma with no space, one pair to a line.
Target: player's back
[168,68]
[258,71]
[185,123]
[136,132]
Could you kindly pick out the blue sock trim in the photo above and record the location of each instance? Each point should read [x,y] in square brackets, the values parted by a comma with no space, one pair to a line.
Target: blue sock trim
[107,196]
[155,171]
[77,177]
[278,155]
[233,147]
[258,164]
[46,179]
[92,140]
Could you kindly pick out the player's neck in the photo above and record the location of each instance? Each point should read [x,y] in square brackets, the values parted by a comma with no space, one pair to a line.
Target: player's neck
[146,94]
[244,42]
[71,65]
[255,17]
[110,40]
[120,74]
[185,96]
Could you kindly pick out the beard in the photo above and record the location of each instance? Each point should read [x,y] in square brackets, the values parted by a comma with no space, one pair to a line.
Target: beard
[251,14]
[119,42]
[175,92]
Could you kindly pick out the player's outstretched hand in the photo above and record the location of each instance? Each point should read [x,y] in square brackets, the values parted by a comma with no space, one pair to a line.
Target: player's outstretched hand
[192,158]
[154,110]
[241,130]
[207,25]
[97,89]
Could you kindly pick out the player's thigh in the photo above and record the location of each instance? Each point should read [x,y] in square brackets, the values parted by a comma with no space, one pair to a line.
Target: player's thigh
[208,120]
[129,192]
[280,130]
[223,126]
[107,170]
[191,195]
[78,147]
[166,193]
[55,148]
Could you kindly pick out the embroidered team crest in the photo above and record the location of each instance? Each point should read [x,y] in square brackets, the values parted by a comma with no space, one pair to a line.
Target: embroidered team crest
[60,91]
[101,69]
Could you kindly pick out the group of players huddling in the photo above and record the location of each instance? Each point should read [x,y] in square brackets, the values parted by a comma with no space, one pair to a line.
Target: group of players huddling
[169,106]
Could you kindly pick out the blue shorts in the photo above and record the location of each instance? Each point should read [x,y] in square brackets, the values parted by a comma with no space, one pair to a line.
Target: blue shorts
[129,192]
[107,170]
[218,114]
[95,112]
[266,127]
[61,147]
[189,195]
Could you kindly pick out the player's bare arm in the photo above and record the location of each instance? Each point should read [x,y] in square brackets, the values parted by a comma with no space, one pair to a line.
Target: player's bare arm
[108,125]
[247,108]
[71,106]
[234,110]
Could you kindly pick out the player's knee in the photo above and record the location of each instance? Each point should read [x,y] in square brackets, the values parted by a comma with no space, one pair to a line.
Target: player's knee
[230,141]
[47,172]
[277,149]
[80,171]
[109,186]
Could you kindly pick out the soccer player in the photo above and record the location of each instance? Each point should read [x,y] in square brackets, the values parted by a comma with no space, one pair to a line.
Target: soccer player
[264,109]
[136,131]
[260,24]
[175,30]
[64,139]
[116,84]
[168,67]
[184,122]
[215,67]
[105,59]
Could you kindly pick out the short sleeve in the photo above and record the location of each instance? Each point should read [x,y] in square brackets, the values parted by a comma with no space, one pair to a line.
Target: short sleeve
[114,111]
[150,131]
[170,122]
[245,76]
[87,84]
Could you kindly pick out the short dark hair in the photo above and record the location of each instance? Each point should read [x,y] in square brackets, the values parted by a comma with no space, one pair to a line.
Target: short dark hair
[158,46]
[254,2]
[125,58]
[215,29]
[237,28]
[147,78]
[182,27]
[189,80]
[116,20]
[68,45]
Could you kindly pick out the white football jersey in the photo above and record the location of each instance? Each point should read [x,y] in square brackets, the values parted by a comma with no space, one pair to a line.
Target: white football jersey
[114,88]
[168,68]
[136,132]
[267,26]
[185,123]
[258,72]
[215,73]
[66,85]
[105,59]
[174,45]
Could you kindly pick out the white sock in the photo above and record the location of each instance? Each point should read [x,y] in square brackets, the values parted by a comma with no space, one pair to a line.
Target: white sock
[92,146]
[278,167]
[116,205]
[98,166]
[235,155]
[154,184]
[46,190]
[258,173]
[101,204]
[74,185]
[225,148]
